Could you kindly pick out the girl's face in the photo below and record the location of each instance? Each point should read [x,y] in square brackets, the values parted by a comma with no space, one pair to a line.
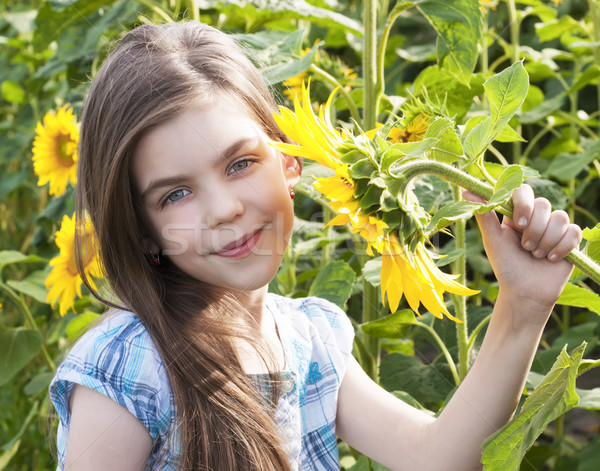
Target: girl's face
[216,196]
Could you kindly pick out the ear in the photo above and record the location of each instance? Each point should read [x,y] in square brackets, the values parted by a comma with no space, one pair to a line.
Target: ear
[149,246]
[292,170]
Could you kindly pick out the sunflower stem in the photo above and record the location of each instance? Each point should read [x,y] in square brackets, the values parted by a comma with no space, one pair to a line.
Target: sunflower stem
[460,303]
[394,14]
[452,174]
[370,302]
[444,350]
[370,64]
[344,94]
[329,246]
[370,312]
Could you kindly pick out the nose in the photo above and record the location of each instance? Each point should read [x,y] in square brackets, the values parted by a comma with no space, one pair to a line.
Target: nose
[224,206]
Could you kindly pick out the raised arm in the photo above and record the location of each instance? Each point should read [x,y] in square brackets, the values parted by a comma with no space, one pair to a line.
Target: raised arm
[527,258]
[103,435]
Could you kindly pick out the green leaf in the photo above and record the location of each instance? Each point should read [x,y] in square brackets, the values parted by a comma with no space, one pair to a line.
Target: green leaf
[589,76]
[428,384]
[509,181]
[556,28]
[506,92]
[370,198]
[567,166]
[52,20]
[12,92]
[391,326]
[278,53]
[577,296]
[17,348]
[33,285]
[508,134]
[334,283]
[362,464]
[38,383]
[361,169]
[555,395]
[547,107]
[8,257]
[7,455]
[589,398]
[589,456]
[573,336]
[406,150]
[258,13]
[457,97]
[451,212]
[372,270]
[80,323]
[459,27]
[448,148]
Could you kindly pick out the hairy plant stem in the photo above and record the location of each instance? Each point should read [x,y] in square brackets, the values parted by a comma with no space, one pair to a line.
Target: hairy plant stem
[460,303]
[370,64]
[444,349]
[345,95]
[515,26]
[370,301]
[593,8]
[387,28]
[328,247]
[457,176]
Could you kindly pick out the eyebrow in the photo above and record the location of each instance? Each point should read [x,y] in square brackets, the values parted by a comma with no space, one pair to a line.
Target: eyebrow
[159,183]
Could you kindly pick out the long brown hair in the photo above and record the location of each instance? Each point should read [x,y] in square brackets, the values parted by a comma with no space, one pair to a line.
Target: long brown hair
[154,73]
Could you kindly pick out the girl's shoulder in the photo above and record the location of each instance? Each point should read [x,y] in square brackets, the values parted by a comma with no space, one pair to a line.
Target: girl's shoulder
[313,323]
[310,309]
[117,358]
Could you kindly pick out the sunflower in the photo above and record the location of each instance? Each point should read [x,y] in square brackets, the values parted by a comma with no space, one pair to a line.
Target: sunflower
[409,273]
[64,280]
[293,85]
[317,138]
[55,150]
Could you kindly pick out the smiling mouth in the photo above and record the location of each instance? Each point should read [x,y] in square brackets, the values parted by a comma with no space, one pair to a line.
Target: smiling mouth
[241,247]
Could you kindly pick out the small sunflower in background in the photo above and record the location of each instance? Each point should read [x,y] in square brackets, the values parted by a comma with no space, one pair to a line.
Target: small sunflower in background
[323,62]
[55,150]
[64,281]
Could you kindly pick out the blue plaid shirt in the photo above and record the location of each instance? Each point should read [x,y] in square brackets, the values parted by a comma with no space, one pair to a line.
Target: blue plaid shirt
[118,359]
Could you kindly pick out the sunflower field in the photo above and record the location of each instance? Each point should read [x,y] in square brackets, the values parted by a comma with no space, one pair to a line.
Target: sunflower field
[396,107]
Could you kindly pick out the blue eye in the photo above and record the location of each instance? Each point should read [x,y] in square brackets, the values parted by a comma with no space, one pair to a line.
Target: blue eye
[239,166]
[175,196]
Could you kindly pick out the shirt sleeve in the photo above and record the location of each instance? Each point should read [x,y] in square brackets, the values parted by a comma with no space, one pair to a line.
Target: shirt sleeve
[119,360]
[335,331]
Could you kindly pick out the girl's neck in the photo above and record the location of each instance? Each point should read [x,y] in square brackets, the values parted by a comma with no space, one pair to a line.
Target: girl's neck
[254,302]
[264,323]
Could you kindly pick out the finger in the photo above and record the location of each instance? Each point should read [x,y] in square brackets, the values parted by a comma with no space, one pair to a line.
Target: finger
[523,203]
[537,224]
[488,222]
[570,240]
[555,230]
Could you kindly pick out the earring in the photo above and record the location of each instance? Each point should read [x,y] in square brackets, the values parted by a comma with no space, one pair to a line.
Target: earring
[292,194]
[154,258]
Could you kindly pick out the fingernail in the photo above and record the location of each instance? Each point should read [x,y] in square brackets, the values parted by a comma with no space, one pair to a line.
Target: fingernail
[553,257]
[538,253]
[522,222]
[529,245]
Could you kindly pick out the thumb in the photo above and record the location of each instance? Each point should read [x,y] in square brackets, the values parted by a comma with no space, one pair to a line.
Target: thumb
[488,222]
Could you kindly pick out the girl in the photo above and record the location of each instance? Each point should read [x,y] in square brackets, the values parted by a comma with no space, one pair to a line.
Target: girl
[196,366]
